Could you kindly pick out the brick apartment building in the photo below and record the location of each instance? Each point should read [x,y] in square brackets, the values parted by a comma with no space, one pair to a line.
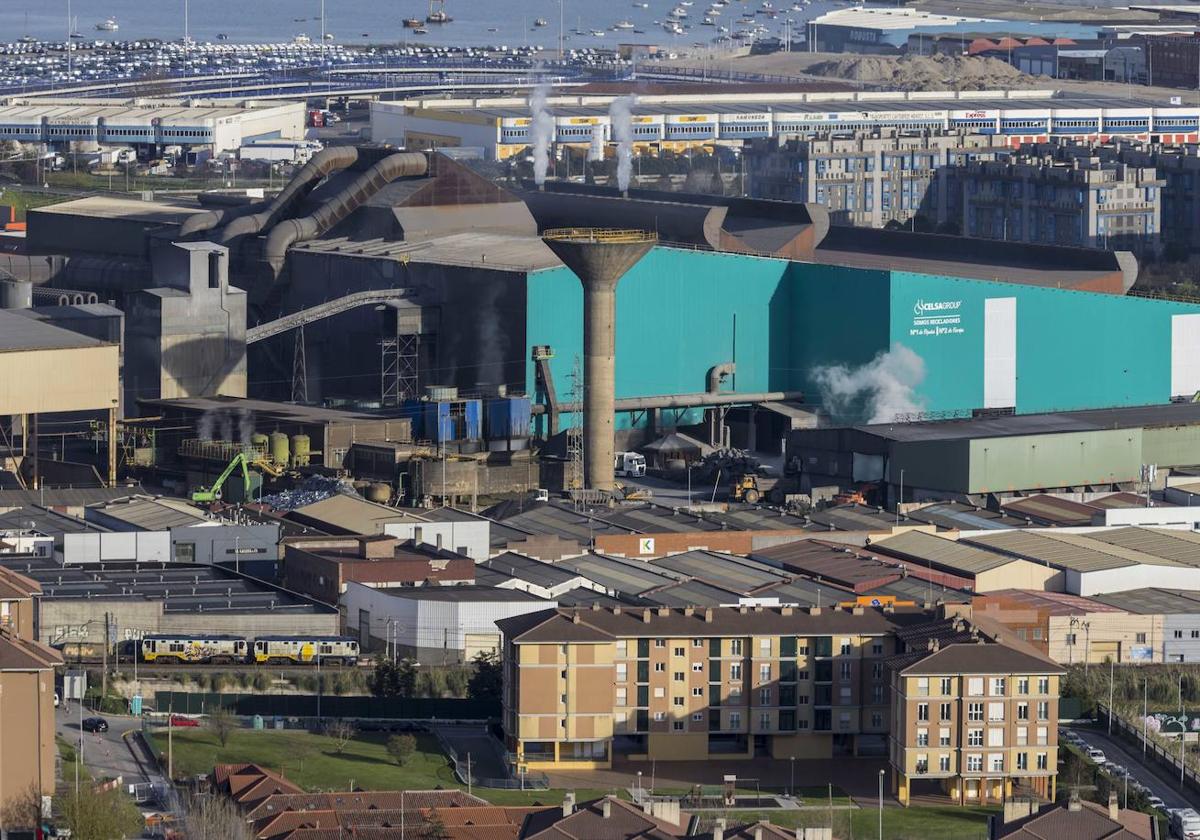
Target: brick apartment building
[27,749]
[972,718]
[584,685]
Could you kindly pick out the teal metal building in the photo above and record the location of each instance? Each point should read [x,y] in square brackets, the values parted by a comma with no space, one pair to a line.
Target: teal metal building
[967,345]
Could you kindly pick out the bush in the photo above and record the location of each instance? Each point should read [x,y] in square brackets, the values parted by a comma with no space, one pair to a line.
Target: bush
[401,748]
[262,681]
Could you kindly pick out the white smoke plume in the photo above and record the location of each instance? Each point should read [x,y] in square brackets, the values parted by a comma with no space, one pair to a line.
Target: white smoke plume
[620,112]
[596,149]
[877,392]
[541,131]
[204,426]
[219,425]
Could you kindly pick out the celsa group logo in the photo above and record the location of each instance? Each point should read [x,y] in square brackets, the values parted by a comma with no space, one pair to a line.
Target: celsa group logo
[923,308]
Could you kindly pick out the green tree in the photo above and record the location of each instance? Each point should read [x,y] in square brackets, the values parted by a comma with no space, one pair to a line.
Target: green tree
[401,748]
[222,723]
[435,827]
[101,814]
[487,678]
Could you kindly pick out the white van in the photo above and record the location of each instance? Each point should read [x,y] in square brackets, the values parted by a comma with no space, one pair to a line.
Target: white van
[1185,824]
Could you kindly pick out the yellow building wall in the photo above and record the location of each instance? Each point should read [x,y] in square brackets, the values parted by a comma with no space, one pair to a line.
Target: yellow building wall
[677,746]
[76,379]
[802,746]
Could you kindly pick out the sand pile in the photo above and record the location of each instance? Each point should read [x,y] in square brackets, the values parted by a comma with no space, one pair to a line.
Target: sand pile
[937,72]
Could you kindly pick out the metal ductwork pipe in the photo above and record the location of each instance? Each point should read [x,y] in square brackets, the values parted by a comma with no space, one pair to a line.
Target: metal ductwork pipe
[716,373]
[600,257]
[322,164]
[705,400]
[209,219]
[290,231]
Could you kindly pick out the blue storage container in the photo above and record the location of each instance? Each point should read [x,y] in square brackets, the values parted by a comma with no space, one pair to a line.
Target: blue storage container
[472,420]
[508,418]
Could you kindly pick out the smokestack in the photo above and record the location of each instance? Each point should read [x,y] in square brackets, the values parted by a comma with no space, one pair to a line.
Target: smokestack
[599,258]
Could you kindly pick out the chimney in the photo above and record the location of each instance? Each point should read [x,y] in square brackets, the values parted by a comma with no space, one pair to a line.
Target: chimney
[606,808]
[708,615]
[718,832]
[645,616]
[1073,804]
[568,807]
[663,612]
[814,610]
[785,611]
[575,619]
[689,611]
[1114,812]
[758,832]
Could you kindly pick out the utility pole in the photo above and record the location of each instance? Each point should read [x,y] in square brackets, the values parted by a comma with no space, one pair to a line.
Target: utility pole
[1112,667]
[104,673]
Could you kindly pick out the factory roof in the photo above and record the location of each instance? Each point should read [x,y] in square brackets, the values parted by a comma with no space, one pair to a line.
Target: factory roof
[727,571]
[116,112]
[1168,543]
[279,411]
[620,575]
[956,556]
[459,592]
[479,248]
[44,521]
[350,515]
[182,587]
[854,518]
[692,593]
[955,516]
[587,597]
[552,518]
[1076,552]
[1051,603]
[148,514]
[18,333]
[158,211]
[808,593]
[527,569]
[1051,510]
[1154,601]
[1167,414]
[844,565]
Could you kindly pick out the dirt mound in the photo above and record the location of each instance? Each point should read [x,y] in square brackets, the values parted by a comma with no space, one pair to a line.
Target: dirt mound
[937,72]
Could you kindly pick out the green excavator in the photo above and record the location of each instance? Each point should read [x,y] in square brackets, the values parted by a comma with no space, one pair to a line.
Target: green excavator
[213,494]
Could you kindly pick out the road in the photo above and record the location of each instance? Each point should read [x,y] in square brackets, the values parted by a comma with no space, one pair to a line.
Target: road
[105,754]
[1155,776]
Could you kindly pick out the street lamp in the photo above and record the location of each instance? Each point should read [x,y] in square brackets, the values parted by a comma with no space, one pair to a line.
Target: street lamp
[792,776]
[881,805]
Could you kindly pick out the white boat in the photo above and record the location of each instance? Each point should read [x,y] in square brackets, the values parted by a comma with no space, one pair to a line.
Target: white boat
[678,13]
[673,27]
[641,5]
[623,24]
[328,36]
[708,21]
[597,33]
[541,22]
[108,25]
[302,39]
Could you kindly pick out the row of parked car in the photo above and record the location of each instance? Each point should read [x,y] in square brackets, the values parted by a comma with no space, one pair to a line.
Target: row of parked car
[1116,771]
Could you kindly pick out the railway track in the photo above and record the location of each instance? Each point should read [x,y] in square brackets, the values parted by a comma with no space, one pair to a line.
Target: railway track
[160,667]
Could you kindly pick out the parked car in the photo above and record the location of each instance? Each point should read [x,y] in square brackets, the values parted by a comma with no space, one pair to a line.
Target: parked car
[181,720]
[95,724]
[1185,824]
[1155,802]
[1097,756]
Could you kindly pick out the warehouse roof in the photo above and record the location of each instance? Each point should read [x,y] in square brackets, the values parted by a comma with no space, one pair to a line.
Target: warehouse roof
[928,549]
[899,17]
[19,333]
[1052,603]
[527,569]
[727,571]
[1051,510]
[692,593]
[621,575]
[182,587]
[1167,414]
[149,514]
[956,516]
[116,207]
[844,565]
[350,515]
[1154,601]
[1168,543]
[1077,552]
[459,592]
[854,518]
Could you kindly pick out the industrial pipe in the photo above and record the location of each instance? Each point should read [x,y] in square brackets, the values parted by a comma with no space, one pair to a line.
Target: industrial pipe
[209,219]
[322,164]
[290,231]
[705,400]
[717,373]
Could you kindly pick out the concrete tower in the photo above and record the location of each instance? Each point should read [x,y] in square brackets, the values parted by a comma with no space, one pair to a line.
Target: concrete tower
[600,258]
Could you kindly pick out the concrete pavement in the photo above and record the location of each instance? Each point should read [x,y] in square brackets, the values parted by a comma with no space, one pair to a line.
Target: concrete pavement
[1161,782]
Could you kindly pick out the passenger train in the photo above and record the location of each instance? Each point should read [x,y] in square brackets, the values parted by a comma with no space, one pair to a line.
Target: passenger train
[267,650]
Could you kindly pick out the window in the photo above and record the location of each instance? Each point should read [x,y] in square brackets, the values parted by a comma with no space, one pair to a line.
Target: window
[764,673]
[944,763]
[735,671]
[679,676]
[995,712]
[697,716]
[622,696]
[974,764]
[996,737]
[943,737]
[975,687]
[1043,685]
[764,647]
[1022,711]
[1140,638]
[877,694]
[676,701]
[922,763]
[677,725]
[877,671]
[622,671]
[1042,736]
[764,720]
[1022,736]
[1041,761]
[846,670]
[1023,685]
[660,692]
[563,674]
[660,667]
[735,647]
[680,651]
[944,712]
[877,648]
[764,697]
[698,667]
[660,716]
[922,711]
[1043,710]
[876,720]
[996,762]
[922,737]
[974,737]
[1178,634]
[946,686]
[997,686]
[1070,638]
[735,720]
[845,647]
[922,686]
[975,711]
[660,643]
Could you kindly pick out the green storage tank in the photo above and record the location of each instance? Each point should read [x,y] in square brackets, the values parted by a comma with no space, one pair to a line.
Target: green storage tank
[301,447]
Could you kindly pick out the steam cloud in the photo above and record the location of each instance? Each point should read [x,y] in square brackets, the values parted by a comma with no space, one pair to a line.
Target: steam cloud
[620,112]
[219,425]
[541,128]
[876,392]
[596,149]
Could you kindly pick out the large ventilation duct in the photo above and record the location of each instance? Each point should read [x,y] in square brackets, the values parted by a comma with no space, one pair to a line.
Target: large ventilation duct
[322,164]
[209,219]
[290,231]
[600,257]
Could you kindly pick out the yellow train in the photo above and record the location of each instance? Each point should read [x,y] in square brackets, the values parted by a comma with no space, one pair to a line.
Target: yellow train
[275,650]
[193,649]
[306,650]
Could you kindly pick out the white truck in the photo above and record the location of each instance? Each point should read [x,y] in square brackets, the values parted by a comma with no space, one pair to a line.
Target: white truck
[1185,824]
[280,151]
[630,464]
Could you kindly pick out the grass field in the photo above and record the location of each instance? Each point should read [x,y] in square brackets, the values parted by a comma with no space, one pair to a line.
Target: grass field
[22,201]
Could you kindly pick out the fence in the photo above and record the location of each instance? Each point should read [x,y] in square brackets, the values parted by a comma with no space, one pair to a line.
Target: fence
[1163,756]
[307,705]
[529,781]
